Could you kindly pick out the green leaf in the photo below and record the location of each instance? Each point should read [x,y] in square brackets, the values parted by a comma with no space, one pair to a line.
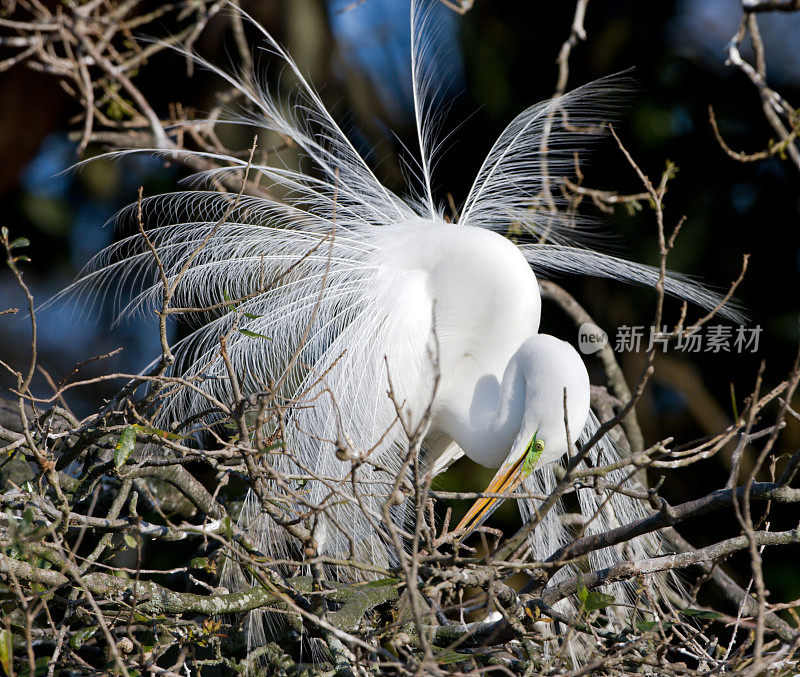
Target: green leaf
[447,657]
[597,600]
[231,307]
[203,563]
[701,614]
[77,640]
[130,541]
[6,651]
[20,242]
[127,441]
[251,316]
[119,108]
[125,445]
[591,600]
[147,430]
[583,593]
[253,334]
[647,626]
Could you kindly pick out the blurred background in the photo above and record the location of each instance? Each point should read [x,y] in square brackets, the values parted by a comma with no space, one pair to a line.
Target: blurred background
[494,61]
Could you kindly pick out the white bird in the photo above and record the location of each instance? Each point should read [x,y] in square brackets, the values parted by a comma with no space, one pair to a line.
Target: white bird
[353,285]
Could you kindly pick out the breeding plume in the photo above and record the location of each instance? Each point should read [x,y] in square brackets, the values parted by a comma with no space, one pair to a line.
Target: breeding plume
[344,288]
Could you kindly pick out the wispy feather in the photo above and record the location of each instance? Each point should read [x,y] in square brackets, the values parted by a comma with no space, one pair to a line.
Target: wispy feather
[315,275]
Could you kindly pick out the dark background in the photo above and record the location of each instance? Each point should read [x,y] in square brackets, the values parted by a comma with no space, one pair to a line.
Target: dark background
[501,60]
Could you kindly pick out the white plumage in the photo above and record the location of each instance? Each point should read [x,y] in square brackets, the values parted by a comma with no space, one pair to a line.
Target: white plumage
[370,276]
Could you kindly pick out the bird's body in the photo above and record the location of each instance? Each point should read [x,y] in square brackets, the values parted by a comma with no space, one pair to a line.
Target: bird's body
[355,289]
[480,294]
[451,317]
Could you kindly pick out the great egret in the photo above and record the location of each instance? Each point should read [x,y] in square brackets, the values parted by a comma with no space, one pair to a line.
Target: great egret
[352,284]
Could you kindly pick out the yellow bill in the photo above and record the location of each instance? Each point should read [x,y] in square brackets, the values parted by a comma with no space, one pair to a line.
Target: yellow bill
[506,480]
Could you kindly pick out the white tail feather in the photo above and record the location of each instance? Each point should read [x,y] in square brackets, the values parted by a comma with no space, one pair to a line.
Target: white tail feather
[552,258]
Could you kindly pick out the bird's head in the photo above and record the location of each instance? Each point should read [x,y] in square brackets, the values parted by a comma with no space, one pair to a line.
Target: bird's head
[556,400]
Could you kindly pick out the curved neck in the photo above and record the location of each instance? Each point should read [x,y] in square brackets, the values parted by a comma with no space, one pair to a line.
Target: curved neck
[486,424]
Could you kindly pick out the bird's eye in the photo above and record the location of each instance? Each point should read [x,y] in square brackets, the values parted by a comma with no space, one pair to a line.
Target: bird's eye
[532,455]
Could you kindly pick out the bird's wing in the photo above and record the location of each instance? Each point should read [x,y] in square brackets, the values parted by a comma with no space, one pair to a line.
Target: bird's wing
[527,161]
[535,148]
[284,280]
[382,345]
